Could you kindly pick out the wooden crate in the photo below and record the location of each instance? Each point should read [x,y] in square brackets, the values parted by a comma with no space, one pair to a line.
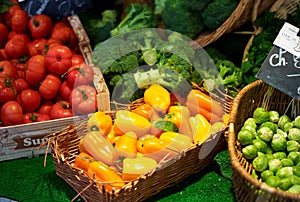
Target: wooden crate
[24,140]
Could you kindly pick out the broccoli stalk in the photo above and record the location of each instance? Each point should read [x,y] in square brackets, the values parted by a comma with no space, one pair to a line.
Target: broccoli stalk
[138,16]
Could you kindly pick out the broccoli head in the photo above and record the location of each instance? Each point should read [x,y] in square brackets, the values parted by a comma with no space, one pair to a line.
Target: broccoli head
[217,12]
[197,5]
[138,16]
[178,17]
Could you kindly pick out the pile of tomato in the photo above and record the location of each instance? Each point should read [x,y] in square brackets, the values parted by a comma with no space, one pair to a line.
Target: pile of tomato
[43,75]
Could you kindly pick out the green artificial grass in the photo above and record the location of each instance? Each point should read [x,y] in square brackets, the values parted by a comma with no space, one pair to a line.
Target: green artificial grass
[28,180]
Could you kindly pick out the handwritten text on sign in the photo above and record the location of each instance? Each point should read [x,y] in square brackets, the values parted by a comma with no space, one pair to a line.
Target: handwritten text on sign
[281,70]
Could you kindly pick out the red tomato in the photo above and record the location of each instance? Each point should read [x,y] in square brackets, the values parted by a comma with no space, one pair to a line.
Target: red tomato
[36,70]
[7,70]
[40,26]
[65,90]
[21,65]
[12,113]
[45,108]
[29,100]
[4,55]
[80,74]
[19,20]
[83,99]
[21,36]
[58,59]
[16,48]
[8,15]
[61,109]
[37,47]
[50,86]
[32,117]
[6,93]
[77,59]
[4,34]
[53,42]
[65,34]
[20,84]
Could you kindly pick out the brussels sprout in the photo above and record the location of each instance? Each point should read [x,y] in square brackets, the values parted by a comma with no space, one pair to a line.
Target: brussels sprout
[260,145]
[274,116]
[250,128]
[269,124]
[274,165]
[295,179]
[273,181]
[297,122]
[294,156]
[296,170]
[278,143]
[285,162]
[279,155]
[260,163]
[294,189]
[283,120]
[288,126]
[281,132]
[294,134]
[254,174]
[285,183]
[269,156]
[265,134]
[285,172]
[250,122]
[245,137]
[250,151]
[269,150]
[261,115]
[266,174]
[292,145]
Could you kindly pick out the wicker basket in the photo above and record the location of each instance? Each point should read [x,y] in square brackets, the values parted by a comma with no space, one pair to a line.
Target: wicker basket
[64,148]
[256,94]
[246,10]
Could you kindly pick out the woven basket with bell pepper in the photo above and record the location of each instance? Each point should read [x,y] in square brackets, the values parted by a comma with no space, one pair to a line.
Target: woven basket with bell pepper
[139,149]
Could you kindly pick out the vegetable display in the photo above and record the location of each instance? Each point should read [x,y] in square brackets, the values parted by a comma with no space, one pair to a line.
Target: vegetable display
[133,143]
[40,64]
[271,143]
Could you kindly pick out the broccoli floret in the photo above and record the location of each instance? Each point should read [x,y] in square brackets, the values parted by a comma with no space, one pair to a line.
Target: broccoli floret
[217,12]
[178,17]
[197,5]
[159,6]
[98,28]
[223,160]
[138,16]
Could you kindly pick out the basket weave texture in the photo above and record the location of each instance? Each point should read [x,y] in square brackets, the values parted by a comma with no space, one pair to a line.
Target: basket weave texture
[64,149]
[256,94]
[247,10]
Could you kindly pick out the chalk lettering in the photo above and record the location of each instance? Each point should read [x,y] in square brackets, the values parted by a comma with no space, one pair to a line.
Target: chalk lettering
[277,59]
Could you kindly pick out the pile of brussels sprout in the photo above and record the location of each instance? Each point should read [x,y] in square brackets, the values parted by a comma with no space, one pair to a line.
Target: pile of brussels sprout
[271,142]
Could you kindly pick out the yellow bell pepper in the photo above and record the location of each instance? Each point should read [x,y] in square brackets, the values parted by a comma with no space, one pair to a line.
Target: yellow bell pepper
[158,97]
[200,128]
[176,140]
[128,121]
[126,146]
[180,115]
[99,121]
[134,167]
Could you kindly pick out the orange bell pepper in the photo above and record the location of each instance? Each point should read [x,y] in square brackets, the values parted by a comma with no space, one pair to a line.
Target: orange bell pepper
[83,160]
[180,115]
[126,146]
[99,121]
[105,175]
[143,110]
[200,103]
[158,97]
[96,144]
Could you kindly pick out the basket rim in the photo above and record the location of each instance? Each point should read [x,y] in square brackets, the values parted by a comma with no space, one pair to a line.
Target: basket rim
[235,163]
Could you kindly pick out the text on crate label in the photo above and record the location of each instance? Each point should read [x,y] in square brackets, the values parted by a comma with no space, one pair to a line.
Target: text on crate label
[24,142]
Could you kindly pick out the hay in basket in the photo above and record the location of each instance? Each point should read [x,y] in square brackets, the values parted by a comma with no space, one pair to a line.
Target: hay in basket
[256,94]
[64,149]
